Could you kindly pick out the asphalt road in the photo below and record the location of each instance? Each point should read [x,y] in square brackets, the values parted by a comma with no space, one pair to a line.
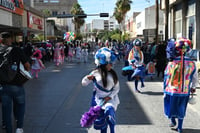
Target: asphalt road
[56,100]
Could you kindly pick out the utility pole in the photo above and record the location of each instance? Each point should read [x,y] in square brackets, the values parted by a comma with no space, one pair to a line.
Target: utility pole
[157,21]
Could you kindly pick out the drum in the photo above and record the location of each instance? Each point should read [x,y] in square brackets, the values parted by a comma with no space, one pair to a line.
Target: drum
[22,77]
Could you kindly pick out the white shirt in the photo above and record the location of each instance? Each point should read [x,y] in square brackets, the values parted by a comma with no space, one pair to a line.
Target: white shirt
[114,101]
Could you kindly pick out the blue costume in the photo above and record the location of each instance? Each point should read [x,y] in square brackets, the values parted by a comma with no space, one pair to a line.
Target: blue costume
[136,59]
[180,77]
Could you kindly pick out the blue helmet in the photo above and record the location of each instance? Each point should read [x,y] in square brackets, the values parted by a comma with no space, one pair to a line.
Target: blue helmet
[170,49]
[104,56]
[137,42]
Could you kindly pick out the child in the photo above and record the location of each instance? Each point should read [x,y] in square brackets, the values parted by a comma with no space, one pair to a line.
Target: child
[37,63]
[106,87]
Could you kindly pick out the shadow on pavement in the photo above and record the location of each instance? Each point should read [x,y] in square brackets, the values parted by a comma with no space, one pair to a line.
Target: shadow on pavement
[152,93]
[189,130]
[129,111]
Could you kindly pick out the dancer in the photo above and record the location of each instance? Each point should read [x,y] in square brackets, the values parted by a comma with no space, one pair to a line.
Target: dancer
[57,54]
[106,87]
[84,53]
[136,59]
[37,63]
[180,79]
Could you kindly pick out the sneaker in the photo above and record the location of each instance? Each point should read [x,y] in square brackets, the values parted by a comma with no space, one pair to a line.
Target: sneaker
[19,130]
[172,125]
[142,86]
[179,130]
[138,91]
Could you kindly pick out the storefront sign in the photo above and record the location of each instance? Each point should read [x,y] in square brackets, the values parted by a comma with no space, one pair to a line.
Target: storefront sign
[15,6]
[34,22]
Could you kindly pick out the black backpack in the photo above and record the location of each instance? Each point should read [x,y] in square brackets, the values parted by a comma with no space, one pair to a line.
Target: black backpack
[8,68]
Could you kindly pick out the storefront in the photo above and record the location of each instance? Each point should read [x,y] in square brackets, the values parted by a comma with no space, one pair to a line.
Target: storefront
[11,16]
[33,23]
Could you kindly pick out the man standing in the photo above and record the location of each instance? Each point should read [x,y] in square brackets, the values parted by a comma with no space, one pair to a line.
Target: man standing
[13,91]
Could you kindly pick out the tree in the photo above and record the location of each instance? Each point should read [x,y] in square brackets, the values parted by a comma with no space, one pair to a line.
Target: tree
[122,7]
[78,22]
[46,12]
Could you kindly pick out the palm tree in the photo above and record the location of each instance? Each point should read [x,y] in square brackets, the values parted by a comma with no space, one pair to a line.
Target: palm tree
[122,7]
[78,22]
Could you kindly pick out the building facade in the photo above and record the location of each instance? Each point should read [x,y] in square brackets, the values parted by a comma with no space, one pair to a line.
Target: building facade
[56,7]
[184,20]
[19,19]
[146,24]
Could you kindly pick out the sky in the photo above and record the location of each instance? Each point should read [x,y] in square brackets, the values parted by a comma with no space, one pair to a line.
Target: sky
[107,6]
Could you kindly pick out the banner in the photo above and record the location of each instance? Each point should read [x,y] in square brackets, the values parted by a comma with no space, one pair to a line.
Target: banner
[15,6]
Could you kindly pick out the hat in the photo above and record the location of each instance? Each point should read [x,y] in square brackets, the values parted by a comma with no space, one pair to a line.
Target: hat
[183,45]
[5,35]
[104,56]
[137,42]
[177,48]
[170,49]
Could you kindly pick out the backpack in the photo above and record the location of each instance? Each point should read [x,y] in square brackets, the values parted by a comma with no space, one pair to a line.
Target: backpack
[8,68]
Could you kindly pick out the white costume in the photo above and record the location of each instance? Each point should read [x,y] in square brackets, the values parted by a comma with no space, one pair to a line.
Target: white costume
[101,94]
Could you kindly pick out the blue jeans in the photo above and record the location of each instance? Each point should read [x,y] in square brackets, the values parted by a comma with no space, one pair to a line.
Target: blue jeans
[13,95]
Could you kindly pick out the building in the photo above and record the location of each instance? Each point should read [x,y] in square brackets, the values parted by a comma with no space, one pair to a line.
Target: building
[20,20]
[131,25]
[112,23]
[29,3]
[146,24]
[56,7]
[184,20]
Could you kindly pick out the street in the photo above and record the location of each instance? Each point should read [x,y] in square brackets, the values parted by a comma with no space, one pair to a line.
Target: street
[56,100]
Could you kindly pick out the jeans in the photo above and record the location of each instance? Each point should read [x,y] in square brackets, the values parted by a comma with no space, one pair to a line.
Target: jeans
[13,95]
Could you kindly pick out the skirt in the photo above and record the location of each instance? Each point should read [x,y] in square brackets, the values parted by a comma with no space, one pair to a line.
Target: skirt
[139,71]
[175,106]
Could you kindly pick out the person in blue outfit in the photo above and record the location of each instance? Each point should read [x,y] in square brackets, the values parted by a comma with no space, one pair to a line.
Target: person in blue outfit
[106,86]
[136,59]
[180,79]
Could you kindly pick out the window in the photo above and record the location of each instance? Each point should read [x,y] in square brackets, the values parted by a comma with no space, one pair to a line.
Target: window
[54,13]
[190,31]
[54,1]
[178,23]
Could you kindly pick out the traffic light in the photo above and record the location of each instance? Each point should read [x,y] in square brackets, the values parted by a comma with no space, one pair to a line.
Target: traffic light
[104,15]
[81,16]
[64,16]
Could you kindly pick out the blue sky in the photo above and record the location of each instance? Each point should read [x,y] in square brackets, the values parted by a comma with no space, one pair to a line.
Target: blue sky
[107,6]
